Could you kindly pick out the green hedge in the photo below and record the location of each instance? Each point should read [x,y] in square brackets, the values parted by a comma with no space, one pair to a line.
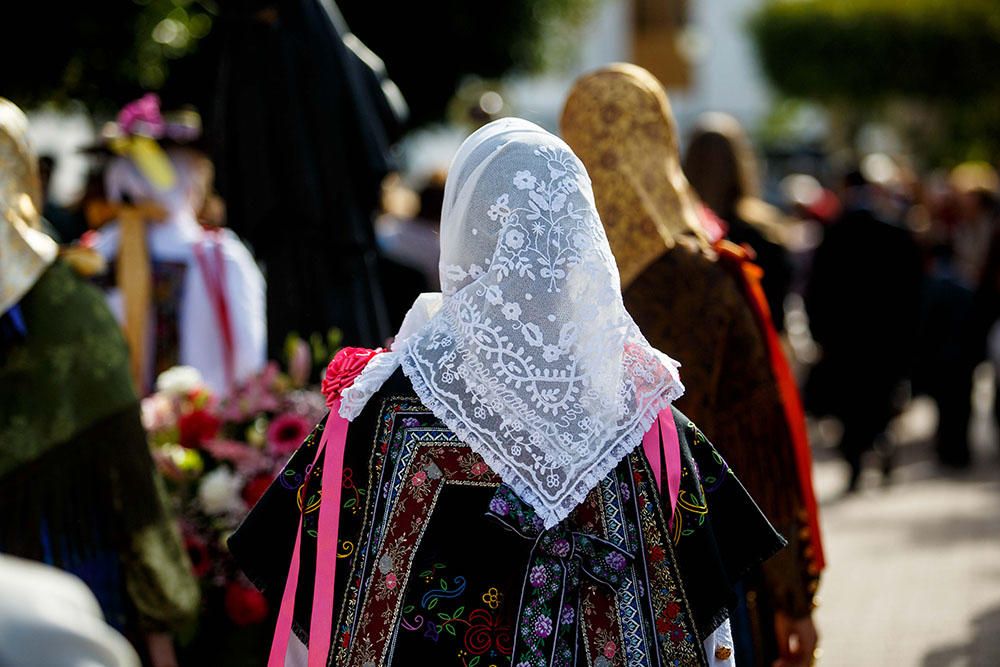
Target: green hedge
[868,50]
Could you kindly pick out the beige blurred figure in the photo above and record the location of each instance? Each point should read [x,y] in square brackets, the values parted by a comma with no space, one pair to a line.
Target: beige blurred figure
[619,122]
[722,168]
[48,617]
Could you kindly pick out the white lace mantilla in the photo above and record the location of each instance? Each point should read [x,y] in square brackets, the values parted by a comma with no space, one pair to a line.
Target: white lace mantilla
[529,356]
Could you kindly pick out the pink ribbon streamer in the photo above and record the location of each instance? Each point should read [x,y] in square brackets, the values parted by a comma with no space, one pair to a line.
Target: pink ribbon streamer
[334,443]
[661,441]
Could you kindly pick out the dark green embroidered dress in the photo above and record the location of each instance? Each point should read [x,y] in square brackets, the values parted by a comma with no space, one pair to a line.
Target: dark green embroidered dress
[77,484]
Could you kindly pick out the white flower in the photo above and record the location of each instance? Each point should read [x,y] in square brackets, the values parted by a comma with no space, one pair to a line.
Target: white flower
[551,352]
[475,271]
[493,295]
[157,412]
[552,480]
[523,180]
[179,380]
[514,238]
[500,208]
[511,310]
[219,492]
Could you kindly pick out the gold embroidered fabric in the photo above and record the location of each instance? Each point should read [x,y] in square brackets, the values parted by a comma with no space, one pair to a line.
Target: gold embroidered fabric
[25,251]
[618,121]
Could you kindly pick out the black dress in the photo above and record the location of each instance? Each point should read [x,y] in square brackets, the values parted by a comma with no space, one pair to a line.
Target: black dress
[443,564]
[302,133]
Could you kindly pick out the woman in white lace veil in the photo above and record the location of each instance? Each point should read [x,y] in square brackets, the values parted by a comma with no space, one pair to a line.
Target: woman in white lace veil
[528,359]
[528,354]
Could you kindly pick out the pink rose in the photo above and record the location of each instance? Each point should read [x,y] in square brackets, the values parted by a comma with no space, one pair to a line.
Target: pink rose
[345,367]
[287,432]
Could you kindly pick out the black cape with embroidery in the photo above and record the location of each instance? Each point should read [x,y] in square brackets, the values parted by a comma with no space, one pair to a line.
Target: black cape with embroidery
[441,562]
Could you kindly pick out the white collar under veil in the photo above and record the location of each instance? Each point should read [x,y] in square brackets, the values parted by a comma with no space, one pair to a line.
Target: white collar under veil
[528,355]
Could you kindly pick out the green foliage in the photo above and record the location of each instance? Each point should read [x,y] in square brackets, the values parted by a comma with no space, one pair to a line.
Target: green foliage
[107,52]
[867,50]
[870,59]
[103,52]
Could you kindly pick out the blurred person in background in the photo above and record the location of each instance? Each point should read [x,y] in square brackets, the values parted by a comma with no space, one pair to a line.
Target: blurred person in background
[721,166]
[692,297]
[408,231]
[975,185]
[187,294]
[952,338]
[977,189]
[863,305]
[77,484]
[305,115]
[68,226]
[50,618]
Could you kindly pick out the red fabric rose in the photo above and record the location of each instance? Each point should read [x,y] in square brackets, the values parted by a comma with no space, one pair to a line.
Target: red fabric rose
[198,426]
[345,367]
[197,551]
[245,606]
[255,488]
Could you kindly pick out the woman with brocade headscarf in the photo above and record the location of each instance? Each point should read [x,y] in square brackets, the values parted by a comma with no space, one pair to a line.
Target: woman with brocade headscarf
[494,496]
[77,484]
[721,167]
[697,301]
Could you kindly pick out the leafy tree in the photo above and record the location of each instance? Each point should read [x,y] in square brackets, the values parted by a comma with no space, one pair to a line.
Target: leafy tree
[105,52]
[866,57]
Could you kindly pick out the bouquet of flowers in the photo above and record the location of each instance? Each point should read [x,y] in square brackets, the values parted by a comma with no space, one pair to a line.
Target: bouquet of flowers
[218,456]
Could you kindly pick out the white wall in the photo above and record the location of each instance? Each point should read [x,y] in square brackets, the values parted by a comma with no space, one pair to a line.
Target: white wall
[725,73]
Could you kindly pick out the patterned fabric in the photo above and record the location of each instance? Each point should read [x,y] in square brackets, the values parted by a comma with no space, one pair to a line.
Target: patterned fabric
[168,280]
[732,396]
[69,372]
[445,564]
[531,358]
[618,120]
[168,292]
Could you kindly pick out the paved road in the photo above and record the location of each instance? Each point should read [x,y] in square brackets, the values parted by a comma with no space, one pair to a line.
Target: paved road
[914,567]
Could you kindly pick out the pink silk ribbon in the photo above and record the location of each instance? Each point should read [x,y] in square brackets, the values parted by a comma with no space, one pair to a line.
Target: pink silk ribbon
[334,443]
[661,441]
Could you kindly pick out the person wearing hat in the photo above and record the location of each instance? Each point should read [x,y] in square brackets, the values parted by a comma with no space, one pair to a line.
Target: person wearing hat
[187,293]
[77,484]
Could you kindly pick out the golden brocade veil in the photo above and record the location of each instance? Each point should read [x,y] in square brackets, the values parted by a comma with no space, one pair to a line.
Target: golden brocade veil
[25,250]
[619,122]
